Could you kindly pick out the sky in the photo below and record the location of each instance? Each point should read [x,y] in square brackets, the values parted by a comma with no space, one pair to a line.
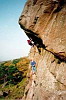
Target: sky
[13,41]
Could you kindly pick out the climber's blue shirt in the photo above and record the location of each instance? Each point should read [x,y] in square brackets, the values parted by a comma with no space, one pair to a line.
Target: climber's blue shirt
[32,63]
[33,66]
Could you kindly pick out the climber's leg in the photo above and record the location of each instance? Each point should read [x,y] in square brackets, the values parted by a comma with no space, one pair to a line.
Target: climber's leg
[34,70]
[41,51]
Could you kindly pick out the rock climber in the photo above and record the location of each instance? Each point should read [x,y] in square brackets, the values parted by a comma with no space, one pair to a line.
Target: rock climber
[30,42]
[33,66]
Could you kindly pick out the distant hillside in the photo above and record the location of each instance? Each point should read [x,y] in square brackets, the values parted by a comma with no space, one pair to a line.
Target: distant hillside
[13,78]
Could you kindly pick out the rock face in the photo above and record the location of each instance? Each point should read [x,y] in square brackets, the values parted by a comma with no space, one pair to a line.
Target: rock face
[45,21]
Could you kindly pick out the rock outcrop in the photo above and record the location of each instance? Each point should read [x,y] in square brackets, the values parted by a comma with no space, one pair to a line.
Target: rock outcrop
[45,21]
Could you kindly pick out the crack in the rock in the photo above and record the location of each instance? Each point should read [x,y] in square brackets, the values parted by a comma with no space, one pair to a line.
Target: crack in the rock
[60,57]
[57,79]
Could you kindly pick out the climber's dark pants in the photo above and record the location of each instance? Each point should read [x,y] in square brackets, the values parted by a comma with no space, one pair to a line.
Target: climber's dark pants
[31,44]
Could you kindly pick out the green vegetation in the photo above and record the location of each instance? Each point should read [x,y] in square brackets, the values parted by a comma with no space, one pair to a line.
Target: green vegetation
[10,74]
[13,78]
